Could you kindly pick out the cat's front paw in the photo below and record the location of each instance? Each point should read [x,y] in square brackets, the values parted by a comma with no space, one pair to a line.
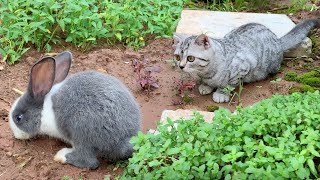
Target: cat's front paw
[204,89]
[220,97]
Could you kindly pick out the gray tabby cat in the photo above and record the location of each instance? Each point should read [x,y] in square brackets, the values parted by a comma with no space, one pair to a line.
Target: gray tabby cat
[249,53]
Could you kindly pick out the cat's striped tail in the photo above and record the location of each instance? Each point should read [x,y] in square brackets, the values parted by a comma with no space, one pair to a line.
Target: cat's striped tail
[298,33]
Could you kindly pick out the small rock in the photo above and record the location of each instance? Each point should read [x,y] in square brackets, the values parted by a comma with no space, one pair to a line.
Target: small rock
[26,152]
[101,70]
[302,49]
[25,162]
[132,54]
[308,60]
[107,176]
[30,60]
[152,131]
[5,144]
[9,153]
[115,168]
[83,57]
[1,68]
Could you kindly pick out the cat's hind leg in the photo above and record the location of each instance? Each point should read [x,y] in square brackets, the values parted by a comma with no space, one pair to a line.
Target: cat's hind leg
[219,96]
[205,89]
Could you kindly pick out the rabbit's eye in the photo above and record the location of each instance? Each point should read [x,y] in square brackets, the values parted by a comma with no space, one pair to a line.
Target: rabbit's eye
[190,58]
[19,117]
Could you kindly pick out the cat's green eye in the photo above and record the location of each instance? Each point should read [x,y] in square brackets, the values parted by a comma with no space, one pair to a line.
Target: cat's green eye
[177,57]
[190,58]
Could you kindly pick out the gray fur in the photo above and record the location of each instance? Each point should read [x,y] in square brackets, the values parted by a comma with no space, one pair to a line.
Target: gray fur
[249,53]
[94,112]
[31,111]
[296,35]
[30,103]
[108,117]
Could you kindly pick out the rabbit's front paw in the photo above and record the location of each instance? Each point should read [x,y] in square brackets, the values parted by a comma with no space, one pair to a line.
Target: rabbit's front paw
[204,89]
[220,97]
[61,155]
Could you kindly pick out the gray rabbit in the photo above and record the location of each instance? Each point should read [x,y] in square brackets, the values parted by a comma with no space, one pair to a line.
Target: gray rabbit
[92,111]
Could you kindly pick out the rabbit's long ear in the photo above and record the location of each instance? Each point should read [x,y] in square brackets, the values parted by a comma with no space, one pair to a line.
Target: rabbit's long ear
[63,63]
[42,76]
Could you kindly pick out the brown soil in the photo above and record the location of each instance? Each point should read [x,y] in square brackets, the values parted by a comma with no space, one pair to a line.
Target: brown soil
[33,159]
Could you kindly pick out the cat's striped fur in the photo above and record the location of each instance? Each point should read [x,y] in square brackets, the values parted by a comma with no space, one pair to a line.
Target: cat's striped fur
[249,53]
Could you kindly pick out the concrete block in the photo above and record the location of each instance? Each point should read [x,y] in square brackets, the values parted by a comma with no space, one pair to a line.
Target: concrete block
[217,24]
[186,114]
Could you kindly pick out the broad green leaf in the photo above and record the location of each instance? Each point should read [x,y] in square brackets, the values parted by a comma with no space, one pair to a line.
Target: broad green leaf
[302,173]
[250,170]
[167,144]
[61,24]
[226,158]
[230,148]
[173,151]
[119,36]
[51,19]
[91,39]
[154,163]
[312,167]
[313,151]
[69,39]
[294,163]
[202,135]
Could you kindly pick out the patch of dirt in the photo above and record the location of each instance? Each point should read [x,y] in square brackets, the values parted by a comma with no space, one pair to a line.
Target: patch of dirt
[33,159]
[301,15]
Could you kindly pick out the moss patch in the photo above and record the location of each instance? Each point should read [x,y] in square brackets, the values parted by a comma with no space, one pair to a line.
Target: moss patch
[187,99]
[212,108]
[302,89]
[310,81]
[314,81]
[315,43]
[311,78]
[290,76]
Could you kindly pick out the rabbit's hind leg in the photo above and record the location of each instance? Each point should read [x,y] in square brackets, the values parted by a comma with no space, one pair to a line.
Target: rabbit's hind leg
[121,151]
[79,157]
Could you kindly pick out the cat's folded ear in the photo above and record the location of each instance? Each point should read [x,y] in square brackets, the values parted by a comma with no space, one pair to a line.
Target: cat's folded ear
[203,40]
[177,38]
